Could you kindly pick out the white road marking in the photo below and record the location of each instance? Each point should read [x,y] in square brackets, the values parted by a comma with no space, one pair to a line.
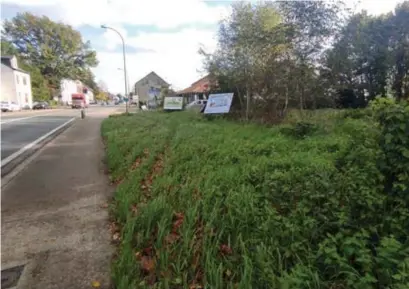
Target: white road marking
[17,119]
[27,117]
[32,144]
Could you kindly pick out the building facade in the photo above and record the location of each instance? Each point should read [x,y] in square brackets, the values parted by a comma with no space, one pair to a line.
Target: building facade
[149,85]
[69,87]
[15,83]
[198,90]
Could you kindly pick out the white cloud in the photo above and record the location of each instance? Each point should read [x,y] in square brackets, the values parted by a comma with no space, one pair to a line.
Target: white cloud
[175,58]
[161,13]
[376,7]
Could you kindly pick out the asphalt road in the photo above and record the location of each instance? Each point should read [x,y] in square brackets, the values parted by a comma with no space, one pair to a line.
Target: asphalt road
[18,132]
[19,129]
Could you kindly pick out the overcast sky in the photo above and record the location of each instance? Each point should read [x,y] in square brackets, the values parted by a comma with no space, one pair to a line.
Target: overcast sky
[161,35]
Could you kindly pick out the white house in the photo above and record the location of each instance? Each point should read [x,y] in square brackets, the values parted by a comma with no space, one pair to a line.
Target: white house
[90,94]
[151,83]
[69,86]
[15,83]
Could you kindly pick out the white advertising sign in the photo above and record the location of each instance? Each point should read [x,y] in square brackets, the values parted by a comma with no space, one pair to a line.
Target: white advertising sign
[219,103]
[173,103]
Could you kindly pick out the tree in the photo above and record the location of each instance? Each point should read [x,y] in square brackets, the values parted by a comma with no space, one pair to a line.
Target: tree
[399,42]
[370,57]
[7,48]
[267,54]
[307,55]
[56,49]
[88,78]
[101,96]
[39,86]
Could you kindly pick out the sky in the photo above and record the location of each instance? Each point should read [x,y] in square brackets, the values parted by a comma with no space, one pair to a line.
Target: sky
[160,35]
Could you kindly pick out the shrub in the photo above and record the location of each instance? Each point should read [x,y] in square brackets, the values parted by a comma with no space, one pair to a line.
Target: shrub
[357,113]
[299,130]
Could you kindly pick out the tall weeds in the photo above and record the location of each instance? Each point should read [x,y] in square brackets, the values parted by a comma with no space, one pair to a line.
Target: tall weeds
[214,204]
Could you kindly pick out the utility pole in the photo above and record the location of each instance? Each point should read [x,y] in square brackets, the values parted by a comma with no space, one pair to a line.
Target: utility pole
[124,55]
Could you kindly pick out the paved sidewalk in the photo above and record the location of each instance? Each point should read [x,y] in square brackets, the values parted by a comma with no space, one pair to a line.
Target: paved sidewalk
[53,218]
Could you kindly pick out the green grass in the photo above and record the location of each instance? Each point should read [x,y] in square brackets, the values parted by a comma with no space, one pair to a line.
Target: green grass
[215,204]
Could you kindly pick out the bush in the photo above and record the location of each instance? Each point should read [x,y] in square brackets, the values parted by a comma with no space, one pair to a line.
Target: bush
[215,204]
[357,113]
[53,103]
[299,130]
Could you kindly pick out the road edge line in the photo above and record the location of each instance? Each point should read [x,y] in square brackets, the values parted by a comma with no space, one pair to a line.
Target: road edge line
[31,146]
[23,118]
[18,119]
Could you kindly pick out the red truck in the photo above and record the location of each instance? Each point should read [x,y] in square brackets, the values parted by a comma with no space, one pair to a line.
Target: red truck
[79,100]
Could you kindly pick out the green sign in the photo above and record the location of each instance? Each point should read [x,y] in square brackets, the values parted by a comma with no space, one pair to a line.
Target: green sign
[173,103]
[126,99]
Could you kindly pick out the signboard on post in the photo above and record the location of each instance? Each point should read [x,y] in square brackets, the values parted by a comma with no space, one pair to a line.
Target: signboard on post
[173,103]
[219,103]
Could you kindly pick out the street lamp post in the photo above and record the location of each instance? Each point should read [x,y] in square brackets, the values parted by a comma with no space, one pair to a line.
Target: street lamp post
[123,49]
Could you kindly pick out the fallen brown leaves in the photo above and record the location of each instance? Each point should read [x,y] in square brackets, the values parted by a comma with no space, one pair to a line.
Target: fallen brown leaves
[136,164]
[225,249]
[197,246]
[173,236]
[147,264]
[115,232]
[147,261]
[177,221]
[134,209]
[118,181]
[157,167]
[95,284]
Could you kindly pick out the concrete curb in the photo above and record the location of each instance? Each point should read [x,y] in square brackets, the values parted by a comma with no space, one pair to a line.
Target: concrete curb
[12,164]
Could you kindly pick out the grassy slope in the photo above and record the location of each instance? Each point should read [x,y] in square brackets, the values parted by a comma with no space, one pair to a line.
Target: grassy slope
[223,205]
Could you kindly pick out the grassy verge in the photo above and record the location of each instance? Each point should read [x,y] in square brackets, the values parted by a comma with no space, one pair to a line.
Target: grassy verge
[214,204]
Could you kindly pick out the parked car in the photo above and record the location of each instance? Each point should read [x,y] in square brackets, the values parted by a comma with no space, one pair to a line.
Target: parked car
[198,104]
[9,106]
[41,105]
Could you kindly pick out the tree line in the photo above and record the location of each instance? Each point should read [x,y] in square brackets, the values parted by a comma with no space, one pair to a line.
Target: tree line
[309,54]
[49,51]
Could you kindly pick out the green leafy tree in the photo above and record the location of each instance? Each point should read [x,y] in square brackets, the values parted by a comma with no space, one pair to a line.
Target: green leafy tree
[7,48]
[56,49]
[267,54]
[369,58]
[399,41]
[39,85]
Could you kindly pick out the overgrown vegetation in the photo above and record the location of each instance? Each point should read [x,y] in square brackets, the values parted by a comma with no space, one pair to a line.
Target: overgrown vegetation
[214,204]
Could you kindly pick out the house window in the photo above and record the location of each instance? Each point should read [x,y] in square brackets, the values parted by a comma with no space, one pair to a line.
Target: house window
[24,80]
[17,79]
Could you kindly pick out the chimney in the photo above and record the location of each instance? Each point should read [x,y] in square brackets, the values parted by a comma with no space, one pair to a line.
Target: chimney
[13,62]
